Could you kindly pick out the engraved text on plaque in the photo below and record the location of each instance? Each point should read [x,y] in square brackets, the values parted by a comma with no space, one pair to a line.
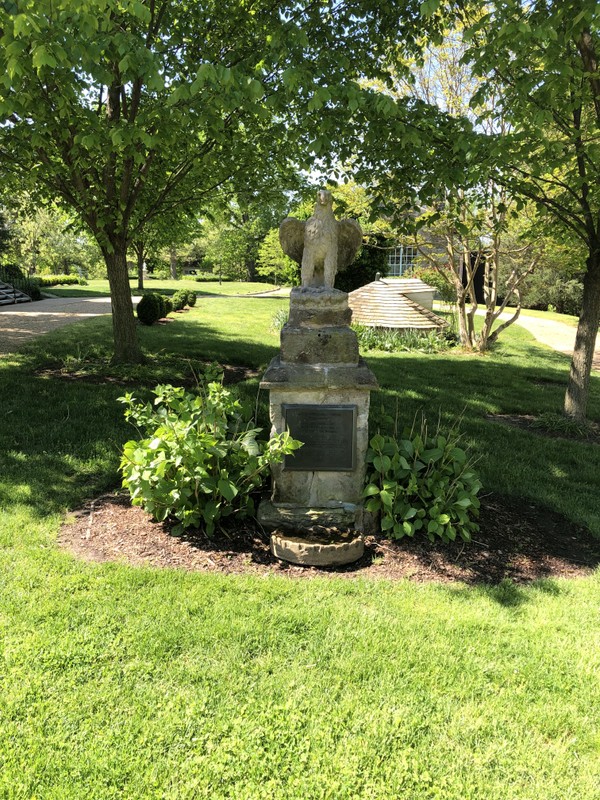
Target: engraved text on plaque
[328,433]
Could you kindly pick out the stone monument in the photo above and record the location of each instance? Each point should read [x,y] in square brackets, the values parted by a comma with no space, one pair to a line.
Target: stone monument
[319,389]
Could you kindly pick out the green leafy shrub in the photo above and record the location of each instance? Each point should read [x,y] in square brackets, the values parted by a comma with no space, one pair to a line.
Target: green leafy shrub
[168,306]
[199,460]
[31,287]
[11,273]
[191,299]
[546,291]
[162,302]
[279,319]
[372,259]
[422,483]
[149,308]
[179,300]
[399,341]
[60,280]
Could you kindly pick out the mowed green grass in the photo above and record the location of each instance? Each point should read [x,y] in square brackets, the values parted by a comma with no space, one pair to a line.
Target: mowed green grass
[100,288]
[122,682]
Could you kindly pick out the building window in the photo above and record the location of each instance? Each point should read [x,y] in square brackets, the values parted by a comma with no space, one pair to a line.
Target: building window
[400,259]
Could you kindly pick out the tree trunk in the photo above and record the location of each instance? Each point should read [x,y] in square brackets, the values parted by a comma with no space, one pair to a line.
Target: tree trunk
[173,262]
[127,347]
[463,324]
[250,269]
[140,266]
[576,397]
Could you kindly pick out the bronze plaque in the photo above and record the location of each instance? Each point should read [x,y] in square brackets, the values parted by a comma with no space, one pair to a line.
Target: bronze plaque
[328,433]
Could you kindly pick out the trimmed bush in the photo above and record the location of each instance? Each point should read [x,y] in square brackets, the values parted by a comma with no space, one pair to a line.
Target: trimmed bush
[149,309]
[168,306]
[179,300]
[191,299]
[60,280]
[162,304]
[211,277]
[30,287]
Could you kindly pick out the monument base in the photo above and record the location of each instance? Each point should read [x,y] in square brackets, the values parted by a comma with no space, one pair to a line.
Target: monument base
[295,518]
[318,550]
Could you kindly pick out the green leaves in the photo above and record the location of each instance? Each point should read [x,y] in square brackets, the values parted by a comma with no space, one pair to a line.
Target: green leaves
[422,483]
[43,58]
[201,460]
[429,7]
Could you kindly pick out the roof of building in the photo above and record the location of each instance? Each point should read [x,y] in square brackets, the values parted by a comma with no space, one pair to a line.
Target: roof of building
[382,304]
[408,284]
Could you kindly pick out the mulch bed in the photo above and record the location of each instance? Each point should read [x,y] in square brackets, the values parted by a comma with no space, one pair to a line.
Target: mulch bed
[517,541]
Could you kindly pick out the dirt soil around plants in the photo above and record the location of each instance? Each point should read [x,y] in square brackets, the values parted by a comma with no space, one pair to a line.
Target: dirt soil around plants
[517,541]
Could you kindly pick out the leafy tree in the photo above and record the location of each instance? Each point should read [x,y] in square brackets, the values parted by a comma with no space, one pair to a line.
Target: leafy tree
[114,105]
[459,230]
[273,263]
[165,232]
[5,233]
[540,61]
[237,228]
[48,239]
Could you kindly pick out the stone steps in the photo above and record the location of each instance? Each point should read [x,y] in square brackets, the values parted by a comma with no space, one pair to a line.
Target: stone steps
[9,295]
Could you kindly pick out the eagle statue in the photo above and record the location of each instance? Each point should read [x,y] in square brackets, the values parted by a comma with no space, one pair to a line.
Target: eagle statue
[322,245]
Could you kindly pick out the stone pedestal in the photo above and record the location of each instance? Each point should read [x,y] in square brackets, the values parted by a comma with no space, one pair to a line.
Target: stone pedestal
[319,388]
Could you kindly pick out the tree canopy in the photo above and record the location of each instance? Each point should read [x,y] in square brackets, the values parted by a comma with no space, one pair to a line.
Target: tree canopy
[127,108]
[539,61]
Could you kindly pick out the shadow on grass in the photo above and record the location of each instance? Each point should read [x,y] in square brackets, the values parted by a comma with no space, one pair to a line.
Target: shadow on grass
[507,593]
[61,442]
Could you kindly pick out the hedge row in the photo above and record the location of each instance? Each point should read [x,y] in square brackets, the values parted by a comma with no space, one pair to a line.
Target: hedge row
[59,280]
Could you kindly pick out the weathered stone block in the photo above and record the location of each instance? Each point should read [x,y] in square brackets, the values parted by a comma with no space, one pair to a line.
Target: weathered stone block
[331,345]
[317,308]
[297,519]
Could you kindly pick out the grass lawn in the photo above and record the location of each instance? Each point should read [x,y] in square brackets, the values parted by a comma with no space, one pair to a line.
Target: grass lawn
[568,319]
[123,682]
[99,288]
[554,316]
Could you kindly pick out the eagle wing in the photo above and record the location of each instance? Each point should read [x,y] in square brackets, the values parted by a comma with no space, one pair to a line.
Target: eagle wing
[291,238]
[349,241]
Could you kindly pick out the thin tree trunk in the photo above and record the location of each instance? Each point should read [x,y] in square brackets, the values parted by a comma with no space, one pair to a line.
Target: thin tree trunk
[461,311]
[139,249]
[576,397]
[173,262]
[127,347]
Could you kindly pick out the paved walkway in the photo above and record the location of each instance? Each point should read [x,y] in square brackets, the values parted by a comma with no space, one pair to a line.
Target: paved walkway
[21,323]
[554,334]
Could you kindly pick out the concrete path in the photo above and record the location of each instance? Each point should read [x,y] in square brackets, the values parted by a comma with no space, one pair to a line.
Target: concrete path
[554,334]
[21,323]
